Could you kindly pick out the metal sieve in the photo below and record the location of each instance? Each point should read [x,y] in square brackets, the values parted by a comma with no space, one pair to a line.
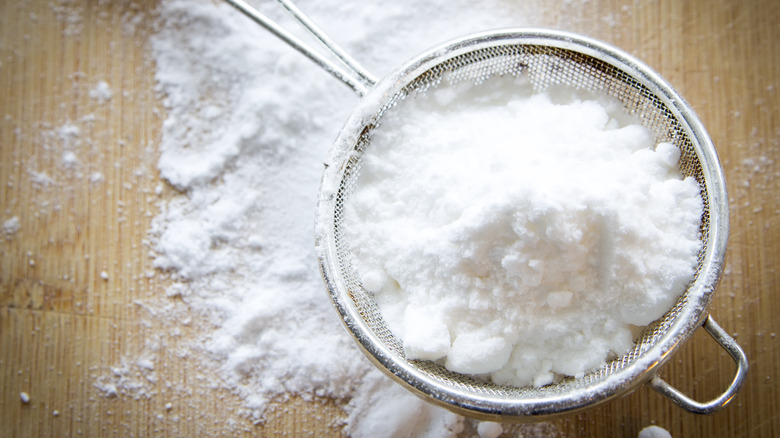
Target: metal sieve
[548,58]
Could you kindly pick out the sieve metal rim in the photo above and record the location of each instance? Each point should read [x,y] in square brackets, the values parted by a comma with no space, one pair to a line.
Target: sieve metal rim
[494,407]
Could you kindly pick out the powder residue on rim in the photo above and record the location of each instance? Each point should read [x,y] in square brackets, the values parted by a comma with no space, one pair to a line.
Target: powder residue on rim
[517,234]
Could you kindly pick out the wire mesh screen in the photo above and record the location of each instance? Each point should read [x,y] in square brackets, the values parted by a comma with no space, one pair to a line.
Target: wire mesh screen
[545,67]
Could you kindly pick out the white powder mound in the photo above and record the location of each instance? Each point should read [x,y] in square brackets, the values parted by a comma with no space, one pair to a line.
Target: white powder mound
[520,235]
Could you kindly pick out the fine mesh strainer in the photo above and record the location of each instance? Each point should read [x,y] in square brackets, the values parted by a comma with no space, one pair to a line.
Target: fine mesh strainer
[548,58]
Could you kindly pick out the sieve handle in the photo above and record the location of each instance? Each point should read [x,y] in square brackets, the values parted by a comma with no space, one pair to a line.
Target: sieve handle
[730,345]
[349,72]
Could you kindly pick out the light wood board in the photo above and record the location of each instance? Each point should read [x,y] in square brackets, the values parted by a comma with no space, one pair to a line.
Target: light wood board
[62,324]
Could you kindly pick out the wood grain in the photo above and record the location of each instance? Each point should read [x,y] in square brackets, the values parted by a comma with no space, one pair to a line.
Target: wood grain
[63,325]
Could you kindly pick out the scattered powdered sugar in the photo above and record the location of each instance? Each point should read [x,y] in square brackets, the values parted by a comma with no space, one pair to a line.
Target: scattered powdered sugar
[70,13]
[520,235]
[40,180]
[134,379]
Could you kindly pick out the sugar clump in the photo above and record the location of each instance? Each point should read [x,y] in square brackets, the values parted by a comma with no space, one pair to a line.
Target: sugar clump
[12,225]
[101,92]
[654,432]
[520,235]
[489,429]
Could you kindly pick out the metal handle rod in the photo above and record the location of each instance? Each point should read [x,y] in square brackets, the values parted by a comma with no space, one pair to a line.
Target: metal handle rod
[716,404]
[365,76]
[350,73]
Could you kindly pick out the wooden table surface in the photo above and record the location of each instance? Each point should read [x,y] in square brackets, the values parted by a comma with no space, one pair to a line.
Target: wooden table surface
[75,271]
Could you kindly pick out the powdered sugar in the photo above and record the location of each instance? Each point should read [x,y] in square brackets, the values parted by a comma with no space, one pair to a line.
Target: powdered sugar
[488,429]
[249,122]
[380,34]
[654,432]
[517,234]
[11,226]
[102,92]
